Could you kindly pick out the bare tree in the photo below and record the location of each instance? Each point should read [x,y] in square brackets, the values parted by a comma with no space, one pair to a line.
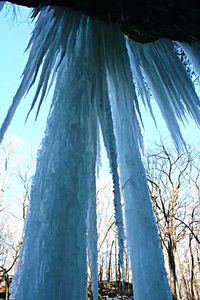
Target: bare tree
[172,180]
[11,171]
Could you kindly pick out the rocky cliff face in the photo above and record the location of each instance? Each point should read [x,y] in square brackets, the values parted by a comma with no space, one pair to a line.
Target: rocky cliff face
[142,20]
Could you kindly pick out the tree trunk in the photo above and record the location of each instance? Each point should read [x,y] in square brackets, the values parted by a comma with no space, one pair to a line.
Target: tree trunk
[110,263]
[192,269]
[172,270]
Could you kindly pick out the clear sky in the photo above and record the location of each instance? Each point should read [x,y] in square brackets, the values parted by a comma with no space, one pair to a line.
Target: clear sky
[14,37]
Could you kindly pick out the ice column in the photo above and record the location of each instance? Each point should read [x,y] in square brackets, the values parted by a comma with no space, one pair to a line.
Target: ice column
[92,235]
[107,128]
[92,238]
[53,259]
[150,279]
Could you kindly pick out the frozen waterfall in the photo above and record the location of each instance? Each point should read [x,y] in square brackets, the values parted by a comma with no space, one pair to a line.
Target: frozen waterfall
[98,75]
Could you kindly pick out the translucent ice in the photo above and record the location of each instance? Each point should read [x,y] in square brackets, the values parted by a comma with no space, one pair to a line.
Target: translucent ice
[97,74]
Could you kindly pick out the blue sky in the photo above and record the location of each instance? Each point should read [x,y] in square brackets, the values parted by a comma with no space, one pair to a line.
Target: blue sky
[14,39]
[15,36]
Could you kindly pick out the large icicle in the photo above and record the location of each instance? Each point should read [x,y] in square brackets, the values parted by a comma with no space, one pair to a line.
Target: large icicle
[53,259]
[150,279]
[169,83]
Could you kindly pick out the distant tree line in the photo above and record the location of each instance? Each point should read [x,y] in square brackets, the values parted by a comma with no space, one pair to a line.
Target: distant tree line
[174,186]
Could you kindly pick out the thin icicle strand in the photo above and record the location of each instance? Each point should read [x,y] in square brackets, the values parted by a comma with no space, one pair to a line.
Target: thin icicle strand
[106,122]
[99,163]
[169,83]
[92,235]
[105,118]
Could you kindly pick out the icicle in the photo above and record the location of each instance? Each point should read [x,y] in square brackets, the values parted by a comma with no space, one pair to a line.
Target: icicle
[53,259]
[105,118]
[193,52]
[142,88]
[142,235]
[106,122]
[169,83]
[99,163]
[91,69]
[47,45]
[92,237]
[2,4]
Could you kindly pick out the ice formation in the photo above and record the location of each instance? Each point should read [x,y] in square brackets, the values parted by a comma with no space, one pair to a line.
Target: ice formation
[169,83]
[98,74]
[1,5]
[193,52]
